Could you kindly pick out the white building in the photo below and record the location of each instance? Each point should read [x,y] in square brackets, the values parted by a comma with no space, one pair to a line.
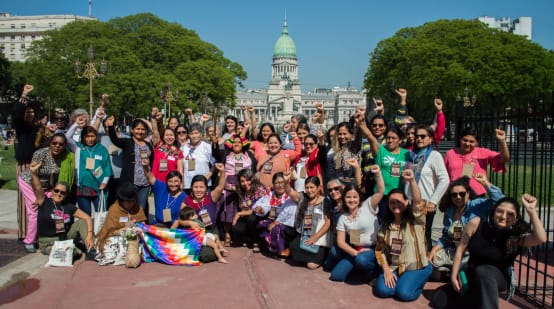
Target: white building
[521,25]
[17,33]
[284,97]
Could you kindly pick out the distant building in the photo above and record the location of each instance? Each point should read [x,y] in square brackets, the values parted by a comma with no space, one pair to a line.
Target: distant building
[284,97]
[521,26]
[17,33]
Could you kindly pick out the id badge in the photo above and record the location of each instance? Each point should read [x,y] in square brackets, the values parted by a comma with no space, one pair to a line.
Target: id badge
[468,169]
[205,216]
[171,158]
[89,165]
[396,247]
[144,154]
[167,215]
[457,233]
[308,219]
[163,165]
[238,167]
[303,173]
[272,213]
[60,226]
[354,237]
[268,167]
[395,170]
[191,164]
[123,219]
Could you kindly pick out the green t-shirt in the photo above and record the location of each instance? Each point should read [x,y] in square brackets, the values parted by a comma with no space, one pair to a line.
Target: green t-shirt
[392,166]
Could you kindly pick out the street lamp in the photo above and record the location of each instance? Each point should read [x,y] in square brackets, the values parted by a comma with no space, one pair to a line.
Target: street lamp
[167,97]
[90,72]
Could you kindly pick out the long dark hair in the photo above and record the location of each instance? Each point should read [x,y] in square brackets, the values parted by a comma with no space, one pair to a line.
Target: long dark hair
[520,227]
[350,187]
[468,131]
[86,130]
[259,137]
[248,174]
[429,131]
[407,215]
[446,201]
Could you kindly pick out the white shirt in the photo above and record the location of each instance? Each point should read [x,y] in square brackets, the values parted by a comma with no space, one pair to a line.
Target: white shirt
[365,221]
[202,156]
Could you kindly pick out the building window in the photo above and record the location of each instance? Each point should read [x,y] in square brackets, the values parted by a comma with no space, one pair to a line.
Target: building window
[50,25]
[12,26]
[12,37]
[2,47]
[22,46]
[12,46]
[23,26]
[33,37]
[22,38]
[12,56]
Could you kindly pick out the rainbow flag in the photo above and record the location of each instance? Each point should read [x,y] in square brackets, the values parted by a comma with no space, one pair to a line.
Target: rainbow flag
[171,246]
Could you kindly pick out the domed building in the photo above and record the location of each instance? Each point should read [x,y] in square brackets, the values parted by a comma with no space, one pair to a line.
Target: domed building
[284,97]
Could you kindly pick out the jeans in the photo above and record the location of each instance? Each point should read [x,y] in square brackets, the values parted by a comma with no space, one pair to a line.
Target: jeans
[408,286]
[84,203]
[364,261]
[335,255]
[142,199]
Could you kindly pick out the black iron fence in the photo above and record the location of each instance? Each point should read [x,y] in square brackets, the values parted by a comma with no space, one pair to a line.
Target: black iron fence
[530,137]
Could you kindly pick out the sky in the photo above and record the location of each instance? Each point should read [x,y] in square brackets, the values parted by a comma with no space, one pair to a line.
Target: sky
[333,39]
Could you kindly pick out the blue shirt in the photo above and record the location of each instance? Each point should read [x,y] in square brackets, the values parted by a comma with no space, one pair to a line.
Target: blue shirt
[163,200]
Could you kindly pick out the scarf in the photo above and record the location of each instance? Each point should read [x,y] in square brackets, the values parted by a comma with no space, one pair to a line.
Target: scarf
[67,168]
[418,160]
[112,224]
[171,246]
[313,167]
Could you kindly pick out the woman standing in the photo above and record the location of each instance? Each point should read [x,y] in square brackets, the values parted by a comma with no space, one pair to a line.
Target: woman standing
[134,150]
[468,159]
[249,191]
[182,135]
[309,163]
[260,146]
[357,231]
[57,165]
[277,159]
[344,148]
[401,248]
[198,157]
[93,165]
[167,155]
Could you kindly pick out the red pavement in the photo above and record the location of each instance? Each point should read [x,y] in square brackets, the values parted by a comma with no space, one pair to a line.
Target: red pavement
[249,281]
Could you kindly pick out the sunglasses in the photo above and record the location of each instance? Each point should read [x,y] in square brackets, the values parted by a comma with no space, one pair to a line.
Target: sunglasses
[181,132]
[333,189]
[378,125]
[59,118]
[60,192]
[455,194]
[422,136]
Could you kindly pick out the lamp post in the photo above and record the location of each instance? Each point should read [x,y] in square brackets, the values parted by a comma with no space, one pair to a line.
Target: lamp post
[90,73]
[167,97]
[461,104]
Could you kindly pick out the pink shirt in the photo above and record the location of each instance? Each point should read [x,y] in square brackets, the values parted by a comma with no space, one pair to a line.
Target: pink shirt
[480,158]
[233,164]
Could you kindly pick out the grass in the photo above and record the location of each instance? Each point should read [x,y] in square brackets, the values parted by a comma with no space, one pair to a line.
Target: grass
[7,168]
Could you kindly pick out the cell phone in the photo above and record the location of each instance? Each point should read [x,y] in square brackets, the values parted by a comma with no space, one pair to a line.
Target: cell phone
[462,278]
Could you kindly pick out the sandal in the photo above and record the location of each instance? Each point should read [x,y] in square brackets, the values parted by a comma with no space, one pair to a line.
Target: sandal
[227,242]
[255,248]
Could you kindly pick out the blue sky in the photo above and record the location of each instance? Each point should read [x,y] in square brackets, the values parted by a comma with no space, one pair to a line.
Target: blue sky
[333,38]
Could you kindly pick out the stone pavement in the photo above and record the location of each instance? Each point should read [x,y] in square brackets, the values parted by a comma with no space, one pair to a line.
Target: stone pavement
[249,281]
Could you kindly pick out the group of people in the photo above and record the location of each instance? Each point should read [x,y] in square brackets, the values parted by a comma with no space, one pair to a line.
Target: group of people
[358,195]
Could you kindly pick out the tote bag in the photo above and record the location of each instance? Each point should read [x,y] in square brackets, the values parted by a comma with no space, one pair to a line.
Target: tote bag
[99,217]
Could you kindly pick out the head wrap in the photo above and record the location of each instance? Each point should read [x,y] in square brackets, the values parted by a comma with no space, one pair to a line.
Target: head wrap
[229,142]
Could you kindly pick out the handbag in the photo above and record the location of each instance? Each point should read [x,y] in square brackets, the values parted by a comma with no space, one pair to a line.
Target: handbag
[61,253]
[309,248]
[99,217]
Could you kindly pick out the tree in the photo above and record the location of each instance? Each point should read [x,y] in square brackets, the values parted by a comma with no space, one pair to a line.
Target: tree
[5,77]
[144,53]
[441,58]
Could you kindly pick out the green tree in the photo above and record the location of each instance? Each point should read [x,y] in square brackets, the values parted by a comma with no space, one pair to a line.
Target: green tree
[143,52]
[5,77]
[441,58]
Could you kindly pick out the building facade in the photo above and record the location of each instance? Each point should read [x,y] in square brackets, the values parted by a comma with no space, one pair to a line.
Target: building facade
[521,25]
[17,33]
[284,98]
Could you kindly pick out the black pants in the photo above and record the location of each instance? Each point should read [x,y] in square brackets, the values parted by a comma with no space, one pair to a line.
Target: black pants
[245,229]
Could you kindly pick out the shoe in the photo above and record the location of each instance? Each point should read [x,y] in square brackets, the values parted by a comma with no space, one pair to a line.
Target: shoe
[227,242]
[285,253]
[30,248]
[255,248]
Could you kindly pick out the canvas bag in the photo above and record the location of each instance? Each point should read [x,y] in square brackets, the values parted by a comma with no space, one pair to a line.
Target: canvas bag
[99,217]
[61,253]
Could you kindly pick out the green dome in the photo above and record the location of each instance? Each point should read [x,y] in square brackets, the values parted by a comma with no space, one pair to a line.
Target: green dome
[284,47]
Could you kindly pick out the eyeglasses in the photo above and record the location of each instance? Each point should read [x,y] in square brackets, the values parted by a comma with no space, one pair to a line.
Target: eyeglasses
[378,125]
[60,192]
[333,189]
[181,132]
[309,144]
[279,183]
[422,136]
[57,144]
[455,194]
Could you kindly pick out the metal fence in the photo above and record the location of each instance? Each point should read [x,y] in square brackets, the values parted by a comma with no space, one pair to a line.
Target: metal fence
[529,134]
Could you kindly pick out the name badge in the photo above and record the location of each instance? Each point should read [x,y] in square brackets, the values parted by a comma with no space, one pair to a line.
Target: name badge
[238,167]
[308,219]
[123,219]
[395,170]
[468,169]
[205,216]
[272,213]
[318,211]
[396,246]
[303,173]
[171,158]
[268,167]
[163,165]
[191,164]
[167,215]
[354,237]
[89,165]
[98,157]
[60,226]
[457,234]
[144,154]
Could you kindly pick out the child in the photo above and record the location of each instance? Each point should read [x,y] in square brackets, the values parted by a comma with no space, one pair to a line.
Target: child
[210,240]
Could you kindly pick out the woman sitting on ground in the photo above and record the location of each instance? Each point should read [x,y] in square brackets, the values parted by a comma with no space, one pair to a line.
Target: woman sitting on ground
[56,215]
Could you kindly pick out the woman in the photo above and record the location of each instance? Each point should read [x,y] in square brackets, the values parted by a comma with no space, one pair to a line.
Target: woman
[493,244]
[302,130]
[57,165]
[167,155]
[459,207]
[357,231]
[172,123]
[198,157]
[279,210]
[430,175]
[276,159]
[78,114]
[55,217]
[410,139]
[335,190]
[134,149]
[377,126]
[93,165]
[344,148]
[168,195]
[309,163]
[204,203]
[260,145]
[123,213]
[230,127]
[468,159]
[182,135]
[401,248]
[236,158]
[313,222]
[249,191]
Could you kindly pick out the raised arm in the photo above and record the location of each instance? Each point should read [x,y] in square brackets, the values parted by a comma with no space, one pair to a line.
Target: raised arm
[360,122]
[111,132]
[69,136]
[294,195]
[408,176]
[147,172]
[357,170]
[504,151]
[216,192]
[190,115]
[538,236]
[380,192]
[155,116]
[253,122]
[439,122]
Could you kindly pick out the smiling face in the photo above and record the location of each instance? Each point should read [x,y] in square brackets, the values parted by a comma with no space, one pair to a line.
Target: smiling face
[199,190]
[182,135]
[343,136]
[245,184]
[311,190]
[273,145]
[410,136]
[237,145]
[174,184]
[173,123]
[459,196]
[57,145]
[505,215]
[266,132]
[169,137]
[351,200]
[378,127]
[139,132]
[334,189]
[59,192]
[309,145]
[422,138]
[279,186]
[230,125]
[467,144]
